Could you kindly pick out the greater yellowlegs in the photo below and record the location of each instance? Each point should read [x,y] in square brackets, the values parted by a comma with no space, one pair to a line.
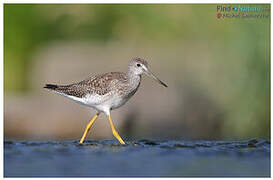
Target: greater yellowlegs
[107,91]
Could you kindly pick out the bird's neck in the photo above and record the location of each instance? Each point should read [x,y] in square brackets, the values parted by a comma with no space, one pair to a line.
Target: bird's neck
[133,79]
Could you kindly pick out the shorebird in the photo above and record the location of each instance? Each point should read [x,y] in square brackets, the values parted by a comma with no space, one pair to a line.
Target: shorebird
[107,91]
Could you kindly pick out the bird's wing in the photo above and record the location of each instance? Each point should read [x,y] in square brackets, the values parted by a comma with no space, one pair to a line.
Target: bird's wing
[99,84]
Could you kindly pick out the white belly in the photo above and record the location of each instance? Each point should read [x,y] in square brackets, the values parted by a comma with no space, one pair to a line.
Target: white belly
[109,104]
[102,103]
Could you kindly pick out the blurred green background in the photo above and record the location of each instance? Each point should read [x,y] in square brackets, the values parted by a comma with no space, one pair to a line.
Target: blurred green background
[218,70]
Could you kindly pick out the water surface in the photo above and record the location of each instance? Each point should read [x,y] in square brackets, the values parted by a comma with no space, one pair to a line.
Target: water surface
[138,158]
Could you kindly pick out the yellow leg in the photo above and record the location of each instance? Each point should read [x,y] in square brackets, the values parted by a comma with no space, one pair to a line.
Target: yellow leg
[115,133]
[88,127]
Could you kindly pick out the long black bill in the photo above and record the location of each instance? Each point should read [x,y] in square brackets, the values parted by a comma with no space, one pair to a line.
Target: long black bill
[155,78]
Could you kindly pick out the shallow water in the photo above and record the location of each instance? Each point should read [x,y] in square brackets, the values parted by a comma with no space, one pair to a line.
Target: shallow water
[138,158]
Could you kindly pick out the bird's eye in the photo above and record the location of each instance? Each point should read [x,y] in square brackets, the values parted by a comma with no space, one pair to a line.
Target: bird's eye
[138,65]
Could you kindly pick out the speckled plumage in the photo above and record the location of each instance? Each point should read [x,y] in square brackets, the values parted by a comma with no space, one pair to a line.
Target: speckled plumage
[106,91]
[99,84]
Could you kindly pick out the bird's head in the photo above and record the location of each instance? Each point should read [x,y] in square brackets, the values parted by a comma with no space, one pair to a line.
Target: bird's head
[139,66]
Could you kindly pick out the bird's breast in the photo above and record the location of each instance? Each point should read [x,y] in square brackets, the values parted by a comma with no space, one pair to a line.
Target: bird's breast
[118,96]
[123,95]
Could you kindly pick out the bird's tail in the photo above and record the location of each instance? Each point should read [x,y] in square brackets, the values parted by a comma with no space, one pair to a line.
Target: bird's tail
[51,86]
